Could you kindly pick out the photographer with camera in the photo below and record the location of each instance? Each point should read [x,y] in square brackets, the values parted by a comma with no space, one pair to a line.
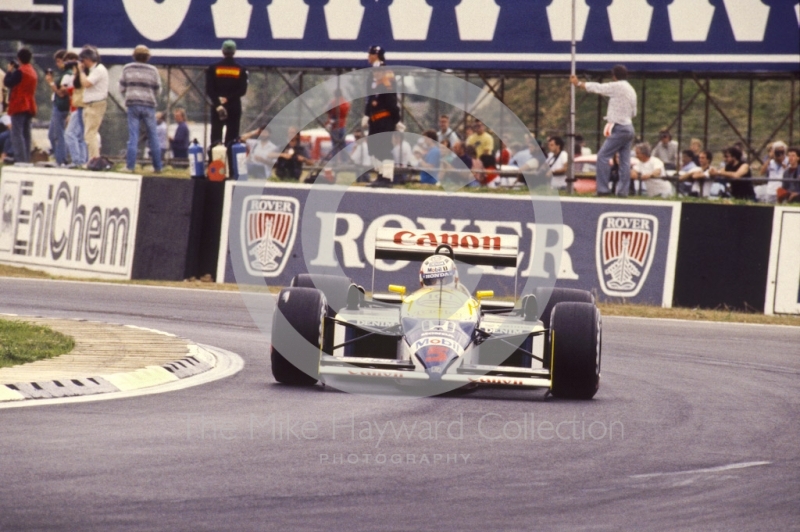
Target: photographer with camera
[60,112]
[73,136]
[21,81]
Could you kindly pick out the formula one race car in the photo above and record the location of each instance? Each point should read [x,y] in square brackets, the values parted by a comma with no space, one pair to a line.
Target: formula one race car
[439,336]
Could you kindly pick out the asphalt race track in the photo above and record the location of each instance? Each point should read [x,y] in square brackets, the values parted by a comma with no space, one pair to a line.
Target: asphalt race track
[696,426]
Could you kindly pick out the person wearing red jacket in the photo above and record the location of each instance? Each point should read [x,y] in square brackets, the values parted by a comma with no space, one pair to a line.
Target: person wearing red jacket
[21,81]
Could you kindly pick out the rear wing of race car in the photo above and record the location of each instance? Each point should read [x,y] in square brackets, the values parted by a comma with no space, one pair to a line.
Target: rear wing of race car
[480,249]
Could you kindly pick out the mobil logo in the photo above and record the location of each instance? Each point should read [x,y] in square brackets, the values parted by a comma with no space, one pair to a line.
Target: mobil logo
[268,230]
[624,251]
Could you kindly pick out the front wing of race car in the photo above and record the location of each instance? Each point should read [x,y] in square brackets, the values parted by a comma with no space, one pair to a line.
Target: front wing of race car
[462,372]
[357,367]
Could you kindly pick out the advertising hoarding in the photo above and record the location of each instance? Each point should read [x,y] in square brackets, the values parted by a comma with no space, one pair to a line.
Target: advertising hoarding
[677,35]
[617,249]
[783,282]
[70,223]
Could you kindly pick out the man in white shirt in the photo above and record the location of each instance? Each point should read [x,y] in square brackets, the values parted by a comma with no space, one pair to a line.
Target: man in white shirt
[523,156]
[666,150]
[445,132]
[619,128]
[262,152]
[95,96]
[647,168]
[401,151]
[774,170]
[557,160]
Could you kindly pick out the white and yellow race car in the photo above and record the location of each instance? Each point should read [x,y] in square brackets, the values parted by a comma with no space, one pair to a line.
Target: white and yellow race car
[439,337]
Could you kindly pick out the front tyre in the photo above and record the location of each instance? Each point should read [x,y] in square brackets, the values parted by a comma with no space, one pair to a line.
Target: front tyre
[576,344]
[297,336]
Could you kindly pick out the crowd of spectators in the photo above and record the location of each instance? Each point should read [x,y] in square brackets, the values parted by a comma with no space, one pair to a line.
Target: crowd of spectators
[465,153]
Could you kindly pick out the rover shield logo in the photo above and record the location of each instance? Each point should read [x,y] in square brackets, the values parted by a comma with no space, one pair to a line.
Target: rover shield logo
[269,226]
[625,248]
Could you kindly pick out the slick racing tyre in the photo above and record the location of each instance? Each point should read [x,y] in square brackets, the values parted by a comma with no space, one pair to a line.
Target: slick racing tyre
[334,287]
[297,336]
[556,296]
[576,330]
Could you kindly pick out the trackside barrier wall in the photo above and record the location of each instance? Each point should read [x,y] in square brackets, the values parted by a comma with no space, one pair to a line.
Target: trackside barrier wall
[109,225]
[723,256]
[68,222]
[264,223]
[178,234]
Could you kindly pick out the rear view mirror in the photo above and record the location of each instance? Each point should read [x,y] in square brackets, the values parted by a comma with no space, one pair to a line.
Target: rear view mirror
[397,289]
[484,294]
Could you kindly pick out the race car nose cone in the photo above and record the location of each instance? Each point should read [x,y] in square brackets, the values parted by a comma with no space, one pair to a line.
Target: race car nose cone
[436,358]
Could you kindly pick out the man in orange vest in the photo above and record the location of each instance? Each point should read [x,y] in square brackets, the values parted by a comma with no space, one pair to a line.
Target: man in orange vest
[21,81]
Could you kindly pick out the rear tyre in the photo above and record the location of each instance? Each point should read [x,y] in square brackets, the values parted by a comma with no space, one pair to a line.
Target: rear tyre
[576,330]
[554,296]
[297,335]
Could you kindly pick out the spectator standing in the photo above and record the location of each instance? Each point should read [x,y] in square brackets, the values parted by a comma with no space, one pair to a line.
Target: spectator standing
[337,123]
[74,134]
[481,140]
[60,112]
[94,80]
[618,131]
[790,191]
[736,170]
[6,148]
[557,160]
[140,85]
[650,169]
[445,132]
[432,159]
[667,150]
[381,114]
[773,169]
[226,84]
[179,143]
[162,133]
[21,81]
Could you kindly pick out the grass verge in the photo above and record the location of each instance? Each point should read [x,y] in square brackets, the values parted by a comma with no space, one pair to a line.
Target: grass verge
[608,309]
[22,342]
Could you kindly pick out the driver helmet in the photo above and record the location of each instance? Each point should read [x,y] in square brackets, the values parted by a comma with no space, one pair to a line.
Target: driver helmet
[438,270]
